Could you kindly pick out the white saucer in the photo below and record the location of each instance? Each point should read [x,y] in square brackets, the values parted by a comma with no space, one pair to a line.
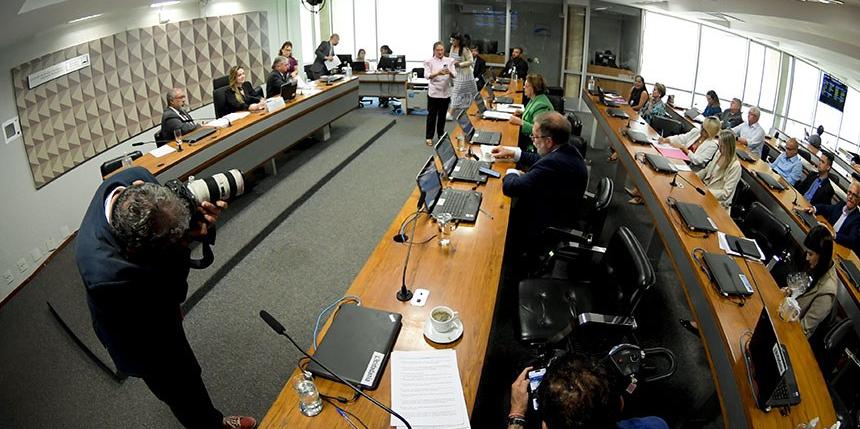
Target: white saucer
[443,337]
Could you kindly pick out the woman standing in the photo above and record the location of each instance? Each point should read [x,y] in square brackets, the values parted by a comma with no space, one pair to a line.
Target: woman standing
[287,52]
[713,108]
[438,70]
[535,89]
[817,300]
[241,95]
[723,173]
[699,144]
[464,82]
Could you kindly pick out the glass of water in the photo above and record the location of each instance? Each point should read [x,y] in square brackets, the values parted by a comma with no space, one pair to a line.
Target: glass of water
[798,283]
[461,142]
[177,135]
[446,227]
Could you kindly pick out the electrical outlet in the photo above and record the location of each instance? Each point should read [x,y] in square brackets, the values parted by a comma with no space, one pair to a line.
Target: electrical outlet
[36,254]
[22,265]
[65,232]
[9,277]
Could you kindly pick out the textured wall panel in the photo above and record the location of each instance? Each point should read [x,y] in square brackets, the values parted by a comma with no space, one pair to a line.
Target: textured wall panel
[75,117]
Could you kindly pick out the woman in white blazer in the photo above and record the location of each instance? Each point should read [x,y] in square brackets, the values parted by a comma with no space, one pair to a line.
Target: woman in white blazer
[722,174]
[700,144]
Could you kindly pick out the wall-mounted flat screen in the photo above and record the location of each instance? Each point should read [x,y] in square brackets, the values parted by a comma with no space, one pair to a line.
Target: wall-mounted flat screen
[833,92]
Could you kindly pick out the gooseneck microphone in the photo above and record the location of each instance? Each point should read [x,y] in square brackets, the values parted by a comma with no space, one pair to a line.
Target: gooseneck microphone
[404,294]
[280,330]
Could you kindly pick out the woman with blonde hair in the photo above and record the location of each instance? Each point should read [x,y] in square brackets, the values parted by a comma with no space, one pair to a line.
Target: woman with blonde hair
[700,144]
[241,95]
[723,173]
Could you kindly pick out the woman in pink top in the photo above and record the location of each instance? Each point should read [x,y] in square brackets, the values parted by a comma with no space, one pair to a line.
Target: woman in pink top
[439,70]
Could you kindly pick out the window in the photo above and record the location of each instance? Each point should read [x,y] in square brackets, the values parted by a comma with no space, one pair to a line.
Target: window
[851,126]
[770,79]
[804,93]
[342,12]
[411,37]
[722,57]
[794,128]
[310,25]
[365,27]
[755,67]
[766,121]
[828,117]
[682,98]
[664,37]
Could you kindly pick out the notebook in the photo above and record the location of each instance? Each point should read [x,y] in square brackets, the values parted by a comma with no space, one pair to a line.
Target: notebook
[357,345]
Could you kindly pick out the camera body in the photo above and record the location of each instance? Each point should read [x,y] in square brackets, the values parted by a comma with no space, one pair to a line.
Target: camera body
[220,186]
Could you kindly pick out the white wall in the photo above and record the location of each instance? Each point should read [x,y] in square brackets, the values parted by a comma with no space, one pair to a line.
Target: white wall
[38,220]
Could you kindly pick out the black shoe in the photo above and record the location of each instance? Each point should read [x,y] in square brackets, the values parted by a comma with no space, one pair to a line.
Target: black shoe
[690,326]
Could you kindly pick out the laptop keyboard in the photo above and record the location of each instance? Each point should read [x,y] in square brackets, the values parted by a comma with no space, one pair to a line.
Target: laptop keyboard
[467,169]
[504,100]
[483,138]
[455,203]
[781,393]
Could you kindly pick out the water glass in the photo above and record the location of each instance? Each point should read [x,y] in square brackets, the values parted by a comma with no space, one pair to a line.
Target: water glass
[798,283]
[789,309]
[310,403]
[461,143]
[446,228]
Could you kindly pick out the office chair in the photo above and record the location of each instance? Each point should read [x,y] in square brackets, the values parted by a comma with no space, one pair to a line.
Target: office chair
[575,125]
[588,226]
[419,72]
[557,102]
[114,164]
[666,126]
[219,101]
[741,202]
[772,235]
[308,73]
[220,82]
[597,306]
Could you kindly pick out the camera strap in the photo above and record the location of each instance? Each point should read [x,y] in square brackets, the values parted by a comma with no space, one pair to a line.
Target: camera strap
[208,256]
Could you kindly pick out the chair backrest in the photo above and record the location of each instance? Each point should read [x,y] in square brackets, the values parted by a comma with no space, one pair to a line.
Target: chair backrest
[557,102]
[772,235]
[580,144]
[742,201]
[308,73]
[113,164]
[666,126]
[220,82]
[419,71]
[555,90]
[575,125]
[627,265]
[219,101]
[600,206]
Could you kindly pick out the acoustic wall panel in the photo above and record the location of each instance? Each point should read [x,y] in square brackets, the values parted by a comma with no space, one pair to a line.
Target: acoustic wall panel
[72,118]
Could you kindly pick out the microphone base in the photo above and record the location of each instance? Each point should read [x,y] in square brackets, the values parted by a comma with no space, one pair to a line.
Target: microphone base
[677,185]
[404,295]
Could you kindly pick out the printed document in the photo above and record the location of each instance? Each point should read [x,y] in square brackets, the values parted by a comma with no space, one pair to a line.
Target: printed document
[426,389]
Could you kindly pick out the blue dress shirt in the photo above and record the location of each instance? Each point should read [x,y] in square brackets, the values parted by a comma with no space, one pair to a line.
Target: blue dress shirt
[712,111]
[789,168]
[813,188]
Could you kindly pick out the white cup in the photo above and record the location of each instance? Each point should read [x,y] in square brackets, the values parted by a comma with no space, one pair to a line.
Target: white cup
[443,318]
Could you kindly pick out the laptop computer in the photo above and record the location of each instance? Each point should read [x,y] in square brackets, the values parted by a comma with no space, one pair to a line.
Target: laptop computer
[808,218]
[456,168]
[724,271]
[618,113]
[769,180]
[744,155]
[462,205]
[358,66]
[695,217]
[357,345]
[331,78]
[288,90]
[490,114]
[474,135]
[692,113]
[604,101]
[503,99]
[851,270]
[771,374]
[660,163]
[638,136]
[198,134]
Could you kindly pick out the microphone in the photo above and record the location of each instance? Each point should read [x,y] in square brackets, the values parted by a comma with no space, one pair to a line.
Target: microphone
[698,189]
[143,143]
[794,203]
[404,294]
[280,330]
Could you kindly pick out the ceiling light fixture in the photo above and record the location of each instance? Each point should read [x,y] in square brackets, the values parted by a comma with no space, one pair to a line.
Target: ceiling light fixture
[838,2]
[85,18]
[164,3]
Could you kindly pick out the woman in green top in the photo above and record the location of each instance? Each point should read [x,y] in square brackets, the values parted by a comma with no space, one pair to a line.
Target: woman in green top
[535,89]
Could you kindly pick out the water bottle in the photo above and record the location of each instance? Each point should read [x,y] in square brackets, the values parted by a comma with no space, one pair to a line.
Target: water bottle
[592,84]
[310,403]
[514,76]
[348,70]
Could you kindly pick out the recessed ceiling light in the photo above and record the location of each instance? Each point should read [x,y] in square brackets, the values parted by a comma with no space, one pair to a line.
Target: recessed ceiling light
[600,8]
[824,1]
[164,3]
[84,18]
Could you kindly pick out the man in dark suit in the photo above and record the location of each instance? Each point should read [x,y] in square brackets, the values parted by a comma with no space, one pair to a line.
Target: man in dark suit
[324,52]
[480,67]
[548,193]
[518,63]
[277,77]
[133,255]
[175,117]
[845,217]
[816,187]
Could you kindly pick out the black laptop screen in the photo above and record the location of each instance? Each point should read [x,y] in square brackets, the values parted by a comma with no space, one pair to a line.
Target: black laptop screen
[479,101]
[429,183]
[465,124]
[766,356]
[445,151]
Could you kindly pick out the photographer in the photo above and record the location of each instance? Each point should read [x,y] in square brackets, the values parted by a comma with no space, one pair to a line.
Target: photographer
[134,257]
[576,393]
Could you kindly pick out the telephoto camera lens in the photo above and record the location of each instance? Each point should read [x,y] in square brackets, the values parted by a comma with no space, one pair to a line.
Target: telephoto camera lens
[221,186]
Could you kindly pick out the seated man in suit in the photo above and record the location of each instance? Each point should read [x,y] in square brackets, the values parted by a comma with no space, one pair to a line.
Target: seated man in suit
[277,77]
[323,53]
[788,164]
[516,63]
[133,255]
[175,117]
[731,117]
[816,187]
[547,195]
[845,217]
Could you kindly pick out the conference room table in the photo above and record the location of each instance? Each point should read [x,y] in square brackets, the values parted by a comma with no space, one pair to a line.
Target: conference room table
[384,84]
[465,277]
[723,323]
[256,138]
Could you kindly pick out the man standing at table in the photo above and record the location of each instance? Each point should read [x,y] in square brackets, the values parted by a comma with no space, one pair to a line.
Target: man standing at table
[816,187]
[324,52]
[175,117]
[750,133]
[549,192]
[845,217]
[788,164]
[133,255]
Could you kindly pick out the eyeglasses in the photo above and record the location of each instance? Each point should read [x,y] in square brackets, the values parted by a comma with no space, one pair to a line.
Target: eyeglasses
[852,195]
[534,137]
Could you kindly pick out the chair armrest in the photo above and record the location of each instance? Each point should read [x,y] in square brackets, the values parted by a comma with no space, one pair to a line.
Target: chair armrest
[563,234]
[592,319]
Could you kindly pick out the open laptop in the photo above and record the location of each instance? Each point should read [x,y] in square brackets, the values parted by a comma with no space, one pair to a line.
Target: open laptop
[358,66]
[744,155]
[724,271]
[638,136]
[462,205]
[618,113]
[695,217]
[851,270]
[771,374]
[808,218]
[490,114]
[288,90]
[357,345]
[769,180]
[660,163]
[501,99]
[474,135]
[456,168]
[198,134]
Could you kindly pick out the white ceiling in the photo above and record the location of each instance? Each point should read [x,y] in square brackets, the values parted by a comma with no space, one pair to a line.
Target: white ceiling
[827,35]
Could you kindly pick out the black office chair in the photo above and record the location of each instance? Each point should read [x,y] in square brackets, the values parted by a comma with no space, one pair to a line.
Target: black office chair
[557,102]
[308,73]
[742,201]
[220,82]
[114,164]
[219,101]
[419,72]
[160,140]
[555,90]
[772,235]
[588,226]
[666,126]
[598,307]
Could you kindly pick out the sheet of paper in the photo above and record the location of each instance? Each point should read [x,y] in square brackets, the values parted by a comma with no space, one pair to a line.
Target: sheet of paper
[235,116]
[218,123]
[426,389]
[161,151]
[333,64]
[682,166]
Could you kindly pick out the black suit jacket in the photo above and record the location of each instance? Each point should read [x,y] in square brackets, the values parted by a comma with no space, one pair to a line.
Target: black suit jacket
[518,63]
[824,194]
[233,103]
[548,193]
[480,68]
[134,300]
[170,121]
[323,50]
[274,82]
[849,234]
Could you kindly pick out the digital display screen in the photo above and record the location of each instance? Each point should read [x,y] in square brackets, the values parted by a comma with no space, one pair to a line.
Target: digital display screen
[833,92]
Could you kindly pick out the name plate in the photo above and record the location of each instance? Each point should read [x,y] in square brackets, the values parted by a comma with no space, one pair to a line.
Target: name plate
[274,103]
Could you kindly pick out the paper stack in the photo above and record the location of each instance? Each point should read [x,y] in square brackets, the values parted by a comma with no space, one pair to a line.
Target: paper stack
[426,390]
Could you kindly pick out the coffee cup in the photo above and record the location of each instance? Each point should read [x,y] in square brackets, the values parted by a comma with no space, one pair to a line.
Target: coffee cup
[443,319]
